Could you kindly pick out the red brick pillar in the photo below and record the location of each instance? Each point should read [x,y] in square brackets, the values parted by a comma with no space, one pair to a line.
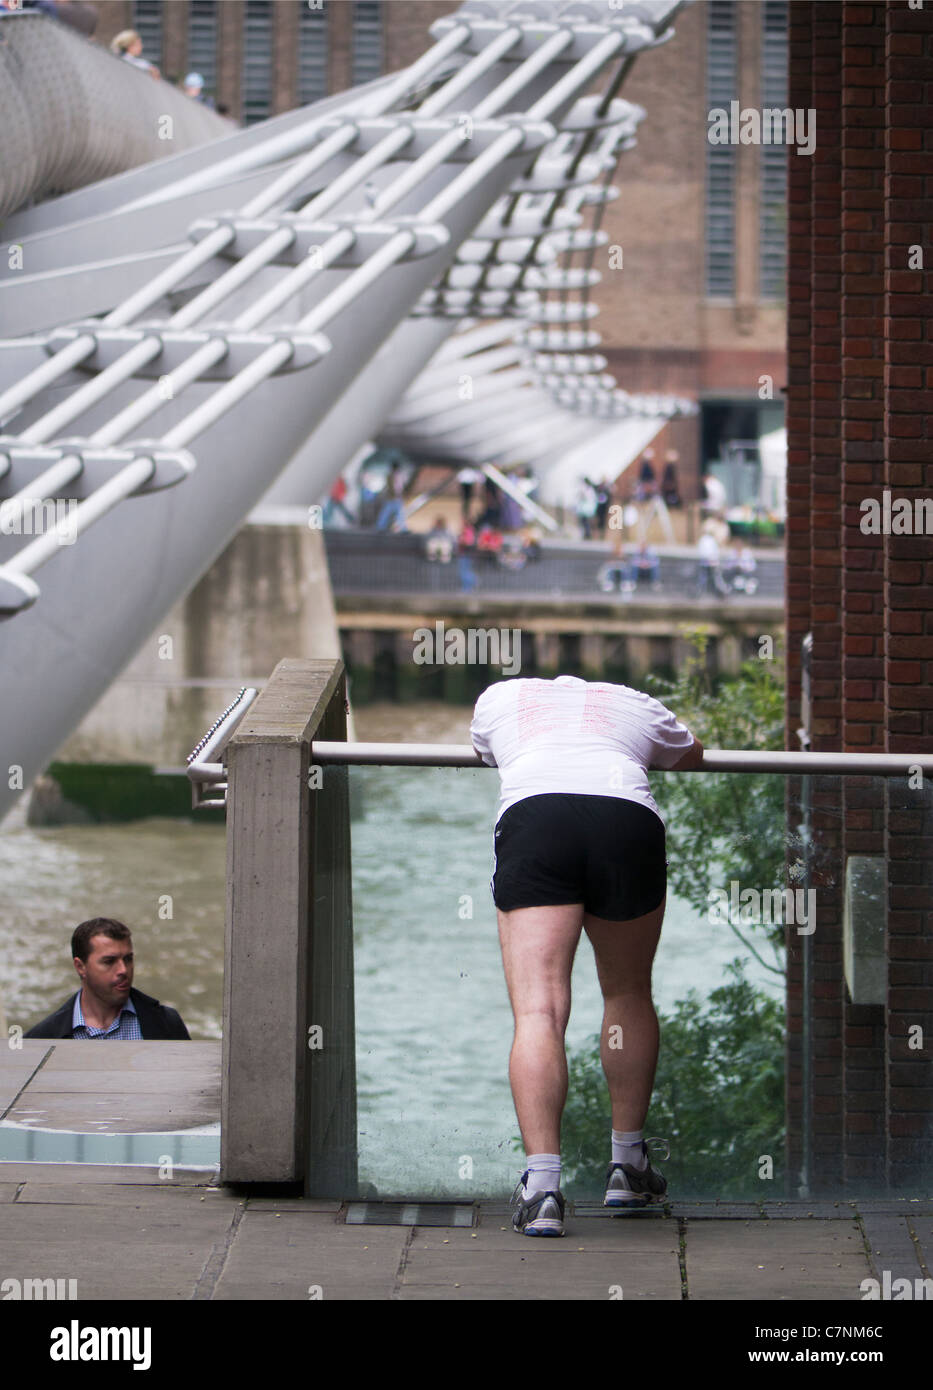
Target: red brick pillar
[799,515]
[826,591]
[908,582]
[862,408]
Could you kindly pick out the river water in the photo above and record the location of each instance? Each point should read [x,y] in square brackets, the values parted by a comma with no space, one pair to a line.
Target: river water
[432,1013]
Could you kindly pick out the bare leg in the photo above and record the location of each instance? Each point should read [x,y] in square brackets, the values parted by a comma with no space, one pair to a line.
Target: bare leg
[538,947]
[629,1042]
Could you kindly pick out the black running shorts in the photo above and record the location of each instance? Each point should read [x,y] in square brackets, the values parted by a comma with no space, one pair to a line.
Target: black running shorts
[564,847]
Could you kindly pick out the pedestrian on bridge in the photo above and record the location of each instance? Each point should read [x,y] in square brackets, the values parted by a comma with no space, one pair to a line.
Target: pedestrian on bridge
[393,508]
[580,846]
[128,45]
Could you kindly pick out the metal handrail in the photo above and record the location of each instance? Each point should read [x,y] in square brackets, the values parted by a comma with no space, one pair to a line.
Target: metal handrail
[205,774]
[714,759]
[202,773]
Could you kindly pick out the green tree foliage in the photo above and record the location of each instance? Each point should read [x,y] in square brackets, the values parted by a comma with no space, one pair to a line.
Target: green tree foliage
[726,826]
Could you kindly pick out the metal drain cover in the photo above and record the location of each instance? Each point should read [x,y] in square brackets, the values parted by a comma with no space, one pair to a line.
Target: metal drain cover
[409,1214]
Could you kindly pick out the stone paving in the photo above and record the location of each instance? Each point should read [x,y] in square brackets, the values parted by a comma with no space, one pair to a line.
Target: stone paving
[125,1232]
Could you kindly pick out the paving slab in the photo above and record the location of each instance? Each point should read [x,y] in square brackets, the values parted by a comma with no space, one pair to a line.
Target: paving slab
[896,1206]
[806,1211]
[106,1273]
[291,1254]
[891,1246]
[166,1080]
[100,1172]
[16,1067]
[528,1292]
[131,1086]
[275,1204]
[145,1212]
[529,1277]
[76,1055]
[712,1211]
[922,1228]
[151,1250]
[130,1196]
[606,1234]
[766,1260]
[565,1268]
[103,1110]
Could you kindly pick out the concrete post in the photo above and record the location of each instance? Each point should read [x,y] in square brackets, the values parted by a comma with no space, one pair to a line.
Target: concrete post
[288,1107]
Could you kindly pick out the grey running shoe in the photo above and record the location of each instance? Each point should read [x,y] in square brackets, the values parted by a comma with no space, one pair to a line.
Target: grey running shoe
[630,1187]
[541,1214]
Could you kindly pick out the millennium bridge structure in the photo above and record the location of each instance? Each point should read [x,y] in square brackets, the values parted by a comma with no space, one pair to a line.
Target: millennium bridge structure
[232,321]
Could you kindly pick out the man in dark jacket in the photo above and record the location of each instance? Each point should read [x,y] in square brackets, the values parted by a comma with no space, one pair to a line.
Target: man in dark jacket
[107,1006]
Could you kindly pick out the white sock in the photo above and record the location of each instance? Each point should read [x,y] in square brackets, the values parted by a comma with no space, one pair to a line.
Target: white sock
[626,1148]
[543,1174]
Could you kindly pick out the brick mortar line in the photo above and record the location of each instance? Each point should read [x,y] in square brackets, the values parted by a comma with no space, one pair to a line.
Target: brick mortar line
[216,1261]
[31,1077]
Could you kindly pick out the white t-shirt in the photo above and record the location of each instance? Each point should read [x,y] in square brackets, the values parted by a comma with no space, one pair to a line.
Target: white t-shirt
[570,735]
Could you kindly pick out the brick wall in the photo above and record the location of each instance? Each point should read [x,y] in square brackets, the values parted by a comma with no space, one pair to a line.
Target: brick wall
[908,573]
[859,404]
[863,619]
[797,532]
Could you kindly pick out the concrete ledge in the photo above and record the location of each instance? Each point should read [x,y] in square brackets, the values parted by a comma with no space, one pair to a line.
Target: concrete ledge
[128,1087]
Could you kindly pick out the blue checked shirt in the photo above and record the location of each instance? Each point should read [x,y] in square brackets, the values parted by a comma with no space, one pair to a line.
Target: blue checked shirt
[125,1027]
